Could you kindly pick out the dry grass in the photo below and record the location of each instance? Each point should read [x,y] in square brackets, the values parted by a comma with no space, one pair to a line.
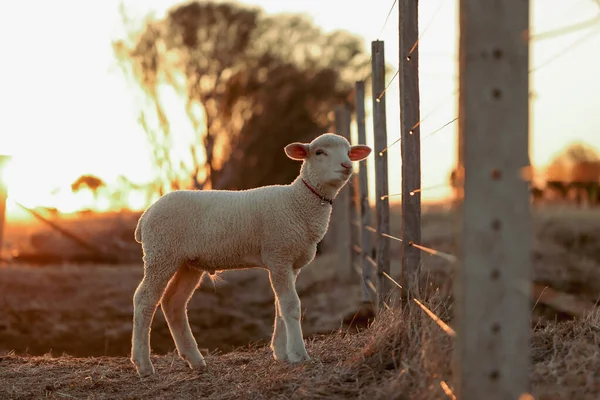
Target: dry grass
[392,356]
[403,355]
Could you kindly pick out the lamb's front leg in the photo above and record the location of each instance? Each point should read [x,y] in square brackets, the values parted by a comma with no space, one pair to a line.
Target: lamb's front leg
[279,338]
[283,281]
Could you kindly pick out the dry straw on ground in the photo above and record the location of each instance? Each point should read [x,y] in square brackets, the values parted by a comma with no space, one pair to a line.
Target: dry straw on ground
[403,355]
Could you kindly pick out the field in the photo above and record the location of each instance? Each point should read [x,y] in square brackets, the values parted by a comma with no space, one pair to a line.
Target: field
[65,329]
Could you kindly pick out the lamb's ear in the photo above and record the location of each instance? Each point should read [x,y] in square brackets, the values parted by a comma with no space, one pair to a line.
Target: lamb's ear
[359,152]
[297,151]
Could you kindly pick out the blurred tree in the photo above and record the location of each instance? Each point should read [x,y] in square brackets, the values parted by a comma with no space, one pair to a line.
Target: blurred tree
[576,153]
[575,170]
[252,83]
[90,181]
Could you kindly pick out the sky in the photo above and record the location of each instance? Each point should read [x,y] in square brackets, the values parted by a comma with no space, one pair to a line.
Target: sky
[67,110]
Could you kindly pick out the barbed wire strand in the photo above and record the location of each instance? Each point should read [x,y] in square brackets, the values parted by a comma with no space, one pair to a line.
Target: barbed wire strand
[379,35]
[371,261]
[387,18]
[390,145]
[448,257]
[390,195]
[412,192]
[440,128]
[420,190]
[435,108]
[445,327]
[565,30]
[414,47]
[391,279]
[561,53]
[358,269]
[388,307]
[541,36]
[370,228]
[391,237]
[447,390]
[547,62]
[378,99]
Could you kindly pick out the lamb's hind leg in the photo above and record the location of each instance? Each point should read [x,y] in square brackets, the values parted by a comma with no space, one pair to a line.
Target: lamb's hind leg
[145,301]
[174,305]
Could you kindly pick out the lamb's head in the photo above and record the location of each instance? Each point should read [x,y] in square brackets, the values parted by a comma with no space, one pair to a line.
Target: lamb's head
[327,160]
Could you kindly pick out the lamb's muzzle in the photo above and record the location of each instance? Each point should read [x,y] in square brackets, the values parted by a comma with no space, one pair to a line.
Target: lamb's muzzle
[187,233]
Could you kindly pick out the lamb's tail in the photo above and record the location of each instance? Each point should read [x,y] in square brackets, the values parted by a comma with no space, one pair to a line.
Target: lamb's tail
[138,229]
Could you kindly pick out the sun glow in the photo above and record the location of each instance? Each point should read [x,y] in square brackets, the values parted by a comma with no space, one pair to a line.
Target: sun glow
[22,190]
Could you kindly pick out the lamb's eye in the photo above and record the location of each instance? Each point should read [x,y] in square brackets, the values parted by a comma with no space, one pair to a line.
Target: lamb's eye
[319,152]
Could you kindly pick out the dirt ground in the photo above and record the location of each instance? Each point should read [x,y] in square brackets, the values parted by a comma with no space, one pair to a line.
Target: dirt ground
[88,311]
[85,311]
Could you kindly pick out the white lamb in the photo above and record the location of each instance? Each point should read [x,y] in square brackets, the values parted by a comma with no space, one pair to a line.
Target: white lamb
[186,233]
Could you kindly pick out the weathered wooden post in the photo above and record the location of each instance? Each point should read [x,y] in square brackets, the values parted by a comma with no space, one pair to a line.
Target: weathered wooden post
[493,278]
[366,243]
[381,171]
[410,143]
[345,119]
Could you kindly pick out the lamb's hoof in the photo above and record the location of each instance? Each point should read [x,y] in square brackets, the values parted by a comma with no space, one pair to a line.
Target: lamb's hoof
[279,354]
[198,366]
[280,357]
[194,360]
[145,369]
[298,357]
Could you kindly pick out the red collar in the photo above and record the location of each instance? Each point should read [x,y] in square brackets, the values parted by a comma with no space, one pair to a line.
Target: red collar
[323,198]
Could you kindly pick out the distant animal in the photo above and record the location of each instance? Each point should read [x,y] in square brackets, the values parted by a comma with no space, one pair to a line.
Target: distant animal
[187,233]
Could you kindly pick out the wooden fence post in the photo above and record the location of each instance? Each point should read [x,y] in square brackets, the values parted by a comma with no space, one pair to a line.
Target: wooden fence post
[353,194]
[410,134]
[381,171]
[341,206]
[493,290]
[366,244]
[3,196]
